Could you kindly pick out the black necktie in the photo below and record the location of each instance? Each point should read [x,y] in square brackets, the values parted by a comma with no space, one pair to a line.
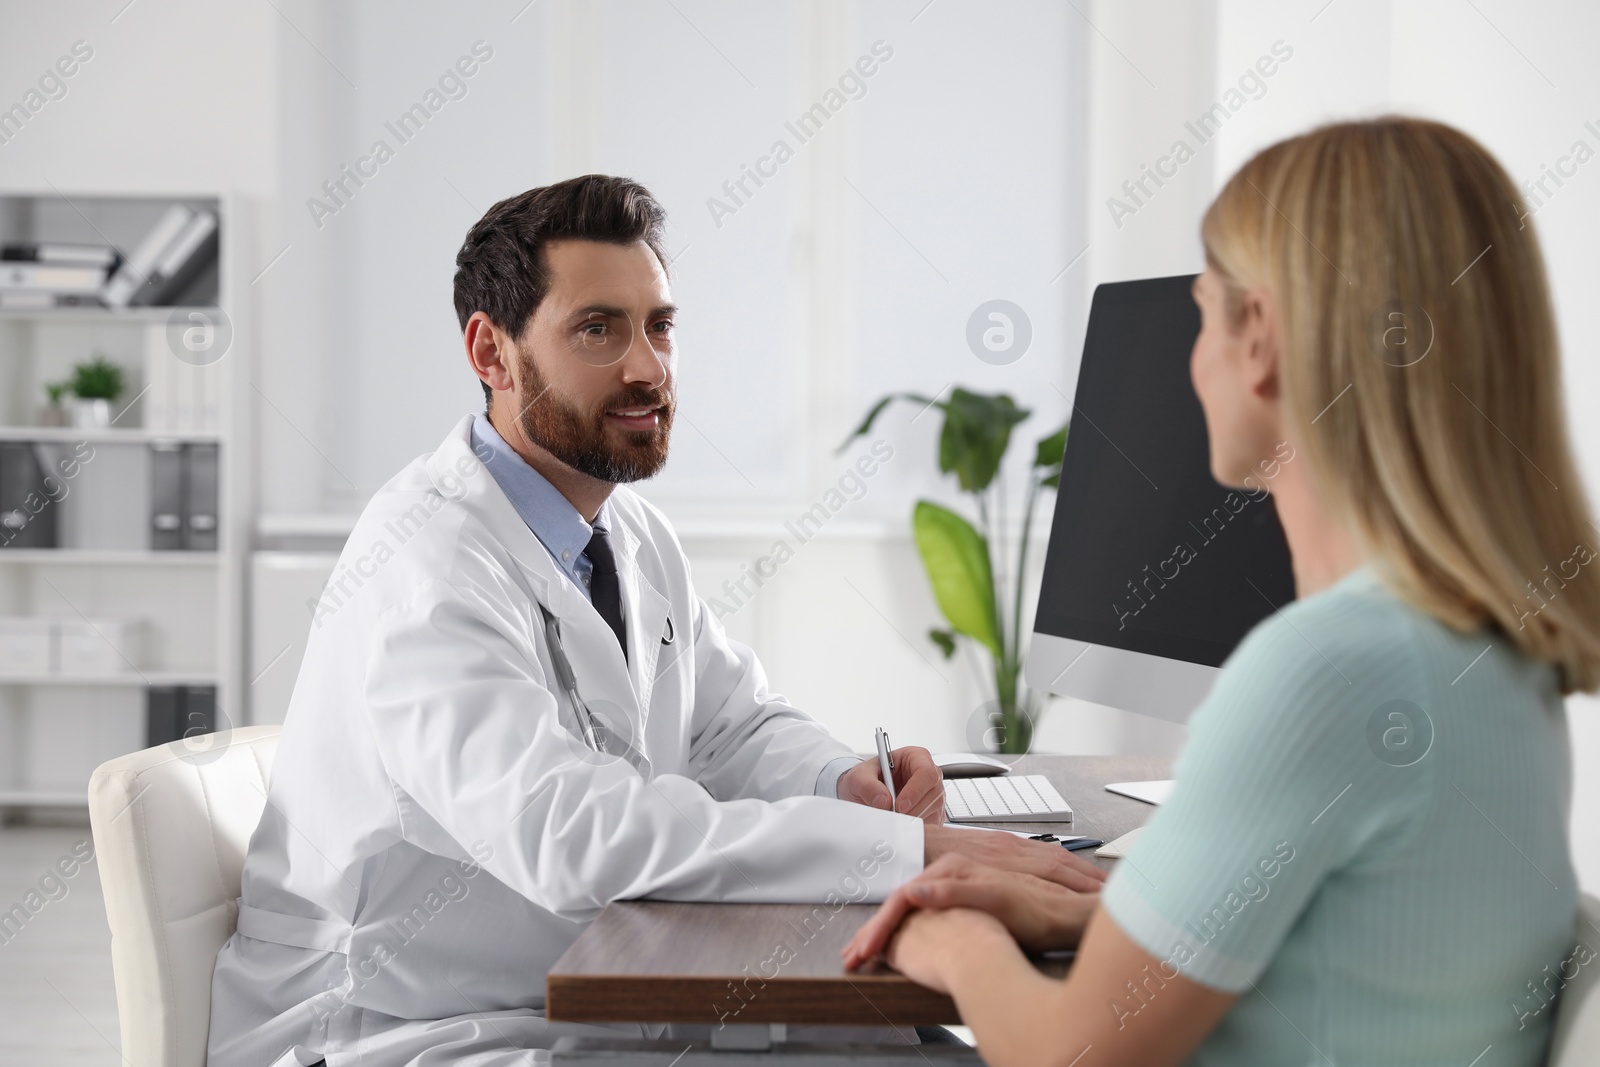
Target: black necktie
[604,589]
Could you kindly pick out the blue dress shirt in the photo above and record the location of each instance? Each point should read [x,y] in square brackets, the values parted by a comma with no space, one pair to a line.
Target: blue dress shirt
[552,518]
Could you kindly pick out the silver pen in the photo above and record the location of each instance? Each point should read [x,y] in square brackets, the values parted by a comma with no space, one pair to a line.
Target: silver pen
[886,765]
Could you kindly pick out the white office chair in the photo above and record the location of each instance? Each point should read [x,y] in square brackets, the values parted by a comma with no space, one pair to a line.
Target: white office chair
[1576,1042]
[171,830]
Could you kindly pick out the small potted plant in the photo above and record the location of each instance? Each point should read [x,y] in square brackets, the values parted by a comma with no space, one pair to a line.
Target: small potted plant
[53,414]
[94,385]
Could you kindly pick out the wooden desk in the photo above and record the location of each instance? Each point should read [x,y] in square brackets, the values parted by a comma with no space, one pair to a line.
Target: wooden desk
[657,961]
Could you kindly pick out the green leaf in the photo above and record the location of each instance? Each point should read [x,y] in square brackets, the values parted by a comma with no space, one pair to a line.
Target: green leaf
[976,434]
[876,410]
[945,639]
[1052,448]
[1048,456]
[956,558]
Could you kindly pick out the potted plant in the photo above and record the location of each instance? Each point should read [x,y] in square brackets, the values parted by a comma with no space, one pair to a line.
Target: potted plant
[966,564]
[53,414]
[95,385]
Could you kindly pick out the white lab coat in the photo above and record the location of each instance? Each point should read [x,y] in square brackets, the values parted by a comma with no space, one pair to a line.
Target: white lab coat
[437,833]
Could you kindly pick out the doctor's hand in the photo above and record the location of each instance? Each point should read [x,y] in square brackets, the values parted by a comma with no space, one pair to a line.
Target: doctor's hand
[918,785]
[1041,915]
[1008,852]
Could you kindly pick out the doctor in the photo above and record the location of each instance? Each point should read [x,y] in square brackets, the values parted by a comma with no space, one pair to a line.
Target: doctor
[513,709]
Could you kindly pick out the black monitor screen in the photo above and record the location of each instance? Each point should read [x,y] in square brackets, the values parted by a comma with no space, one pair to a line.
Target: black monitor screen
[1148,552]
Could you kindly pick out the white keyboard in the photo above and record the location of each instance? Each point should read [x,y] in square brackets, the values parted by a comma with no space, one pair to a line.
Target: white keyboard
[1021,798]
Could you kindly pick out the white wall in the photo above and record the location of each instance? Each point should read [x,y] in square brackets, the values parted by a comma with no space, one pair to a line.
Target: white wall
[850,274]
[217,104]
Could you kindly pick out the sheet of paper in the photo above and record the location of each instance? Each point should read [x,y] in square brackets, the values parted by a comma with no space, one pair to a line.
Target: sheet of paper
[1115,850]
[1018,833]
[1150,792]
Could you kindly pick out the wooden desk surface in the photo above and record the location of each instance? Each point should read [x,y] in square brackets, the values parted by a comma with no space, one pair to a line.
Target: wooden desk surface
[659,961]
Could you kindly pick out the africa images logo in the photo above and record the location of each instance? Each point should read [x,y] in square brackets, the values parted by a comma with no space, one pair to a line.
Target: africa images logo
[1399,733]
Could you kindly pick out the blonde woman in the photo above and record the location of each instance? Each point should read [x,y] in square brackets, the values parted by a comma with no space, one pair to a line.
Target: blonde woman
[1364,860]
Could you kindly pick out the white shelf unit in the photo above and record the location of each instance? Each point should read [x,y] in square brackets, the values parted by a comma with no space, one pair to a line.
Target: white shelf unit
[56,728]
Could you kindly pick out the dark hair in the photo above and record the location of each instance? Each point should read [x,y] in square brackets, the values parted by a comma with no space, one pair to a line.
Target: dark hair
[501,269]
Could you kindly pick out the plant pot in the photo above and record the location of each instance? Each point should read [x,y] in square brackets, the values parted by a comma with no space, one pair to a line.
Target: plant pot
[52,415]
[91,413]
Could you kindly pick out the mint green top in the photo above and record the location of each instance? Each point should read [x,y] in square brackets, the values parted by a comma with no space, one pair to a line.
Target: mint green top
[1367,840]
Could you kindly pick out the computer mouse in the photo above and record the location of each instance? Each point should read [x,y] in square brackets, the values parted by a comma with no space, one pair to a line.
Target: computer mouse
[970,765]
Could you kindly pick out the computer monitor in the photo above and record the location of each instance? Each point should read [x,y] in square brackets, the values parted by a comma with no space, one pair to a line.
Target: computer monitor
[1154,571]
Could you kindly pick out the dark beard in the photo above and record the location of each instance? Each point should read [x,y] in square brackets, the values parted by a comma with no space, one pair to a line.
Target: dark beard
[579,439]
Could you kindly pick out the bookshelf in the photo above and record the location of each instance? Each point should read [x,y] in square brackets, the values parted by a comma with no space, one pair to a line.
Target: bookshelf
[57,725]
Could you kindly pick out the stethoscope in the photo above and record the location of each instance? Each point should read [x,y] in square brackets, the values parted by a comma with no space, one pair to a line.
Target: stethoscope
[568,678]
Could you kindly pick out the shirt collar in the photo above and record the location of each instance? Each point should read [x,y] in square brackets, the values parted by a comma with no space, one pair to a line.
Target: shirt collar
[551,517]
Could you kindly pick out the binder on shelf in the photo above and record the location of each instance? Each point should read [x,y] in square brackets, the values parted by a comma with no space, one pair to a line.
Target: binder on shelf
[173,712]
[199,709]
[162,715]
[189,251]
[166,496]
[135,271]
[28,514]
[201,497]
[185,496]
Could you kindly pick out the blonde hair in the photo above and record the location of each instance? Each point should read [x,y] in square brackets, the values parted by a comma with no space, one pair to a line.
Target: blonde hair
[1421,372]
